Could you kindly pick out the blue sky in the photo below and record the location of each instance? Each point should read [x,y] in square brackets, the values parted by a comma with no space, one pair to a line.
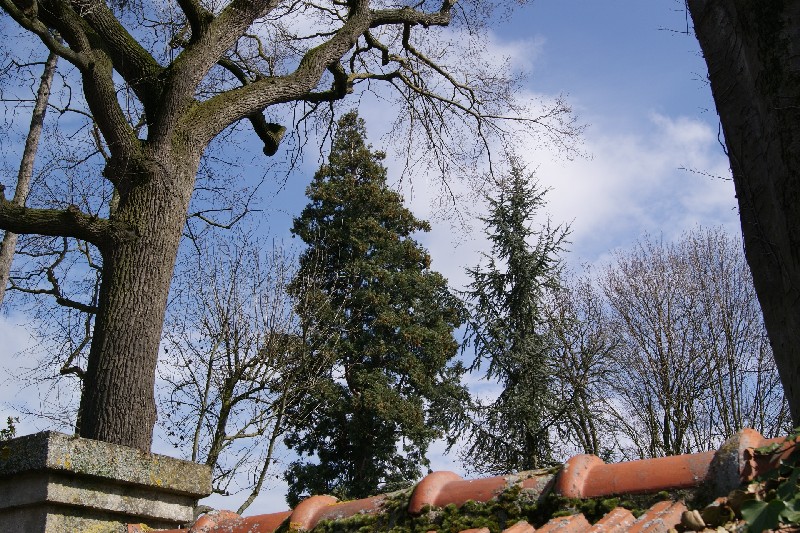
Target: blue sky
[638,84]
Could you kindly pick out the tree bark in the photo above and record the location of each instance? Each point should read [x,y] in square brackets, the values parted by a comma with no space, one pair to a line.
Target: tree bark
[752,49]
[118,403]
[23,187]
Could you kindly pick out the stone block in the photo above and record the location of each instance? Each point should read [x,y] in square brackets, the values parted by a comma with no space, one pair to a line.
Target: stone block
[56,483]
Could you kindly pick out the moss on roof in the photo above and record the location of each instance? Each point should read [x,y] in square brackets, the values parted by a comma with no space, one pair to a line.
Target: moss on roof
[509,507]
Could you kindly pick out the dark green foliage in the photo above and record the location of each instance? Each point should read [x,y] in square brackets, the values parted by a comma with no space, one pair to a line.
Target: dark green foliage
[773,499]
[391,386]
[508,329]
[10,431]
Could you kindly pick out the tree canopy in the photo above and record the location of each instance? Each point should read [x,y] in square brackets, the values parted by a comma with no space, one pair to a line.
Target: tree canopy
[388,392]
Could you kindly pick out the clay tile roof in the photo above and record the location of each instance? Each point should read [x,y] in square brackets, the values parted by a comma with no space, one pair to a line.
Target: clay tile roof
[581,478]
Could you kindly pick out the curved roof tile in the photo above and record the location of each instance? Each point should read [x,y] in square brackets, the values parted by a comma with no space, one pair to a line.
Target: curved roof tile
[582,476]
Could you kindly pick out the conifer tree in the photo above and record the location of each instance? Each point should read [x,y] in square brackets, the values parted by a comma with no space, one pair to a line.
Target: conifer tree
[507,327]
[388,393]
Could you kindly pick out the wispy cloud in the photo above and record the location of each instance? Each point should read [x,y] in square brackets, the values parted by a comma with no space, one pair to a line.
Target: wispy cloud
[667,177]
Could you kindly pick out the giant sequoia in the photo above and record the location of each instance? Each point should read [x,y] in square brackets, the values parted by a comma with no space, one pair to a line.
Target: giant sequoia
[158,90]
[752,49]
[391,385]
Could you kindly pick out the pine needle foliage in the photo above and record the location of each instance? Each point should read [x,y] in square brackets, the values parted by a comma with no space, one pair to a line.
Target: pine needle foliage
[393,383]
[508,329]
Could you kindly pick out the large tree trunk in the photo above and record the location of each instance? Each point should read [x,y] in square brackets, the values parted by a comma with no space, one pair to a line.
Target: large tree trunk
[23,187]
[752,49]
[118,403]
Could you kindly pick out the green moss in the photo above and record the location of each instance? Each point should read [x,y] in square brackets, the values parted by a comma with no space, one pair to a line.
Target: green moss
[508,508]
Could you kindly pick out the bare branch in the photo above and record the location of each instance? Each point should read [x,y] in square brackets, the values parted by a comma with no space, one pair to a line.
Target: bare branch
[55,287]
[91,60]
[36,26]
[68,367]
[217,113]
[269,133]
[25,172]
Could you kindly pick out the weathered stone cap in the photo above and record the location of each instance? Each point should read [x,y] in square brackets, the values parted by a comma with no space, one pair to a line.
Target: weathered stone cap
[52,451]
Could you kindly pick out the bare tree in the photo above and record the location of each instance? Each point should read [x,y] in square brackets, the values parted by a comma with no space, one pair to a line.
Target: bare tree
[160,86]
[235,372]
[583,345]
[53,281]
[691,368]
[659,372]
[744,387]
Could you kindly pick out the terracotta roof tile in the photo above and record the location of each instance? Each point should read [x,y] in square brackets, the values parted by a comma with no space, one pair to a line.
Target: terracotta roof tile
[582,477]
[660,518]
[586,476]
[615,521]
[443,488]
[566,524]
[520,527]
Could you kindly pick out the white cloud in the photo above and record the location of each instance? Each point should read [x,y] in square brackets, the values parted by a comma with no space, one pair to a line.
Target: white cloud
[520,55]
[442,460]
[632,183]
[650,173]
[16,339]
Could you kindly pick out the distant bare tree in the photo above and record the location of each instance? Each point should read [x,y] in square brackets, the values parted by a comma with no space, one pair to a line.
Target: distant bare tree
[582,348]
[744,384]
[234,368]
[693,364]
[53,281]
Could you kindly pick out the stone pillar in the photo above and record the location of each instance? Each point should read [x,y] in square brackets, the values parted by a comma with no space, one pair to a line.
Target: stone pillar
[56,483]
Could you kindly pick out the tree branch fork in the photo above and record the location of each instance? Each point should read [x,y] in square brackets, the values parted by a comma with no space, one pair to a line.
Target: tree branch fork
[97,44]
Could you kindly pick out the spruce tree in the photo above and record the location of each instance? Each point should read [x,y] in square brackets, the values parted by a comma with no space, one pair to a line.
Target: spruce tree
[392,381]
[507,327]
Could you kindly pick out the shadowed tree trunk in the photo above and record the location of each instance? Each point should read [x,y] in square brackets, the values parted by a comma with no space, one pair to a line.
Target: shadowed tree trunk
[134,271]
[752,49]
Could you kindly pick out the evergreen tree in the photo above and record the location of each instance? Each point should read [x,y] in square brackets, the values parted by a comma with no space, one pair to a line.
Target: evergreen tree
[388,393]
[508,330]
